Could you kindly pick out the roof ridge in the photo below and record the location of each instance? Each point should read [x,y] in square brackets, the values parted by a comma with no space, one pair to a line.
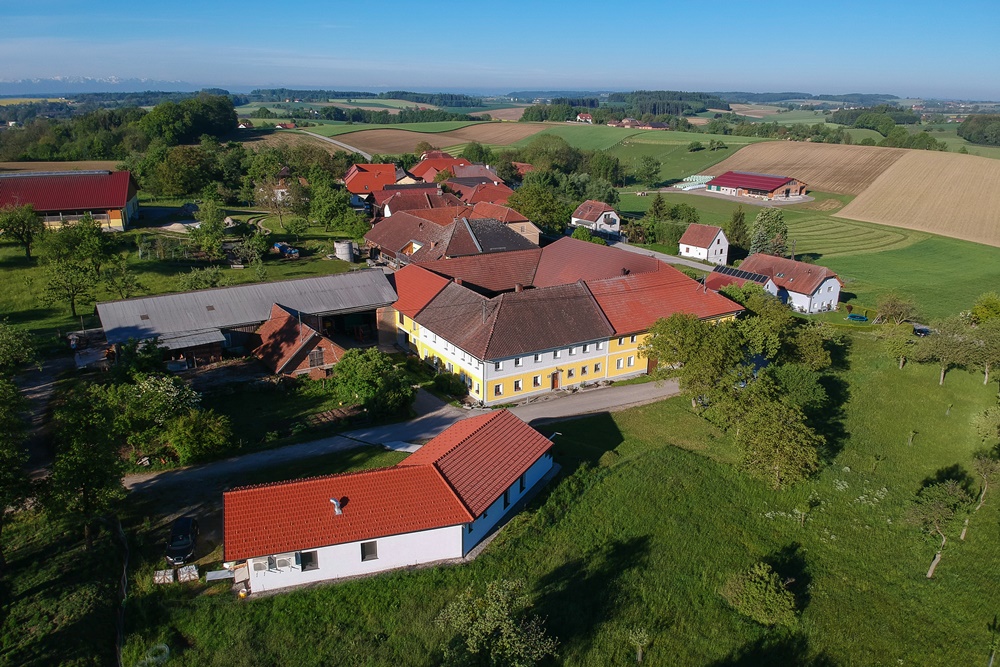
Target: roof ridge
[454,494]
[316,478]
[597,304]
[494,316]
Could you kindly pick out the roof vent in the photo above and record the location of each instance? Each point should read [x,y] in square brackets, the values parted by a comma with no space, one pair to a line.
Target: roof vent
[144,317]
[625,271]
[337,510]
[781,275]
[209,307]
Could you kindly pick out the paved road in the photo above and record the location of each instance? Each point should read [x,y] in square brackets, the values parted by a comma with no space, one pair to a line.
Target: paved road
[669,259]
[434,417]
[341,144]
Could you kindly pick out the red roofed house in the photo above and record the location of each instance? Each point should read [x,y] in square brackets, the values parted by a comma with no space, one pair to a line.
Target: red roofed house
[761,186]
[523,168]
[807,288]
[434,506]
[706,242]
[490,193]
[427,169]
[110,197]
[363,179]
[290,346]
[597,217]
[584,118]
[509,217]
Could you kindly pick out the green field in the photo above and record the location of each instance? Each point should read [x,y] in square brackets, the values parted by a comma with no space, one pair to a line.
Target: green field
[648,542]
[329,130]
[584,137]
[374,103]
[671,149]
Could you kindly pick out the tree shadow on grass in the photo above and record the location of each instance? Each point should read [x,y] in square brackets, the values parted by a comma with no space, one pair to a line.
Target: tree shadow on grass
[581,440]
[955,472]
[776,650]
[581,594]
[790,564]
[830,420]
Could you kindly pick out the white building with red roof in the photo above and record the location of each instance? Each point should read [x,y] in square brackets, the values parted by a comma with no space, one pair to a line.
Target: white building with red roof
[597,217]
[434,506]
[760,186]
[704,242]
[807,288]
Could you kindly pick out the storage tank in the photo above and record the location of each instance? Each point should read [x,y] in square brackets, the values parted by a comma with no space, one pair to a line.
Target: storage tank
[344,250]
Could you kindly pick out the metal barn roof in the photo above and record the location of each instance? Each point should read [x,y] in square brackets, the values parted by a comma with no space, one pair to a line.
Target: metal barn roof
[194,318]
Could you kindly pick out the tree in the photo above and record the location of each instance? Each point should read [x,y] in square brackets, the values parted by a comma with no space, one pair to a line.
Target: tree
[21,224]
[776,443]
[496,628]
[987,467]
[327,204]
[370,379]
[86,480]
[986,308]
[198,434]
[90,243]
[583,234]
[68,281]
[206,278]
[122,280]
[17,347]
[648,170]
[761,595]
[949,345]
[769,232]
[736,229]
[208,235]
[897,341]
[444,175]
[259,270]
[657,210]
[14,485]
[540,205]
[985,346]
[606,167]
[297,227]
[696,146]
[894,308]
[934,509]
[476,152]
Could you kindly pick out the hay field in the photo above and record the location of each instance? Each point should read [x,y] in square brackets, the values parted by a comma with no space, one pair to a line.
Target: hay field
[514,113]
[754,110]
[256,140]
[82,165]
[828,167]
[942,193]
[404,141]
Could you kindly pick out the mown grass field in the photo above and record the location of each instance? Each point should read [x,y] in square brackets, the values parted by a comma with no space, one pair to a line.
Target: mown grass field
[330,130]
[648,542]
[671,149]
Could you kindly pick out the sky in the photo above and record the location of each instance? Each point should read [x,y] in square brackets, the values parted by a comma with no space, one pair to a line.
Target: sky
[913,49]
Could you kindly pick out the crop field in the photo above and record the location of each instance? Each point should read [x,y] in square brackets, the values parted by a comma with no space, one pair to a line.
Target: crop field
[256,140]
[81,165]
[330,130]
[948,133]
[826,167]
[675,160]
[942,193]
[6,101]
[508,113]
[404,141]
[367,103]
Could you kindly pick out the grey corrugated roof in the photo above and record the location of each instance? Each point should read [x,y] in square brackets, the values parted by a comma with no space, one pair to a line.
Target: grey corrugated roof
[207,311]
[191,339]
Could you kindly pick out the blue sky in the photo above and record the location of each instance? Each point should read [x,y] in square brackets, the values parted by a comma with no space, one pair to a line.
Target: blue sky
[909,49]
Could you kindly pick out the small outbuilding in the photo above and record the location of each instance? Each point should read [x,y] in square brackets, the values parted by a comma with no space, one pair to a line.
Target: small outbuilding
[704,242]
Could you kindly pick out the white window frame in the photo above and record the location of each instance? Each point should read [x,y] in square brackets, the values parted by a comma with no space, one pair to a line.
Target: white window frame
[556,354]
[518,362]
[536,381]
[597,367]
[498,389]
[620,364]
[538,358]
[518,385]
[498,365]
[374,547]
[631,361]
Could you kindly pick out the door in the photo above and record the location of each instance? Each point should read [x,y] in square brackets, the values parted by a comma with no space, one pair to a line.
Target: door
[555,379]
[650,366]
[788,191]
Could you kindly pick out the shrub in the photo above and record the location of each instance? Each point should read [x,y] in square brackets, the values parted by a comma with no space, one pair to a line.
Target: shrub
[451,384]
[199,435]
[759,594]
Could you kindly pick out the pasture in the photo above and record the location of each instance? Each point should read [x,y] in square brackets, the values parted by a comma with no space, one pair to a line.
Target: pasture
[645,541]
[942,193]
[826,167]
[331,130]
[393,140]
[671,149]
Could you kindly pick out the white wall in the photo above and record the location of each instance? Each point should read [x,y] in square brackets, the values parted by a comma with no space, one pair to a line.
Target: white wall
[473,533]
[344,560]
[612,226]
[716,253]
[823,299]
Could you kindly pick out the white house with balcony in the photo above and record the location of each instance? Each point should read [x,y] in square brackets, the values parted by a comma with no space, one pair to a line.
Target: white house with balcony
[597,217]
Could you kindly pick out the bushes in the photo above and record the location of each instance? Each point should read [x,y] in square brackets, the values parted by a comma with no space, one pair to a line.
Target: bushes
[198,435]
[451,384]
[760,595]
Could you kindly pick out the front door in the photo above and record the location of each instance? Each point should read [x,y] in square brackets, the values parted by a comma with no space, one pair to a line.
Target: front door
[555,379]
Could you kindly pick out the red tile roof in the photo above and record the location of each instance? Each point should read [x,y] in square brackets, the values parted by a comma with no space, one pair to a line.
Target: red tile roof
[292,516]
[633,303]
[428,169]
[494,272]
[68,191]
[523,167]
[487,192]
[416,288]
[750,181]
[392,190]
[483,456]
[366,178]
[699,236]
[568,260]
[787,273]
[504,214]
[415,201]
[428,155]
[283,337]
[441,216]
[476,171]
[592,210]
[449,481]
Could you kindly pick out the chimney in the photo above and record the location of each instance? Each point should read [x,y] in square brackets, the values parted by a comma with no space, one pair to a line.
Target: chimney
[420,226]
[336,507]
[518,287]
[458,281]
[625,271]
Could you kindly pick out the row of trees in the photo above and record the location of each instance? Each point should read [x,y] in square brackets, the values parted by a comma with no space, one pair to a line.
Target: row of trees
[981,129]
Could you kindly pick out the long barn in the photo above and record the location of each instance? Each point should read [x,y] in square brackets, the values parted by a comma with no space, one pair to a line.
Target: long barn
[761,186]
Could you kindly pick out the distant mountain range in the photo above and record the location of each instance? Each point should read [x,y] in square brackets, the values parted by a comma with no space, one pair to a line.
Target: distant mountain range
[67,85]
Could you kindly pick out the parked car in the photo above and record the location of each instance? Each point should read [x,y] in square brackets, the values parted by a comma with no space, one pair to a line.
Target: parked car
[921,330]
[183,538]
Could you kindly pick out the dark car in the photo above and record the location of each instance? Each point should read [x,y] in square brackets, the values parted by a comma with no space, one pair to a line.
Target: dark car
[921,330]
[183,536]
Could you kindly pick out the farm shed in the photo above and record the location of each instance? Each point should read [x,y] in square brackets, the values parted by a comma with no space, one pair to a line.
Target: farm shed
[434,506]
[110,197]
[198,326]
[761,186]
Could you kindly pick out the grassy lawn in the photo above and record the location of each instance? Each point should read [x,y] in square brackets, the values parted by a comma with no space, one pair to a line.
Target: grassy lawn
[647,542]
[328,130]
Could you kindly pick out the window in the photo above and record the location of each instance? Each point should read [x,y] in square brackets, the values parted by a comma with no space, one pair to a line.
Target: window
[600,345]
[469,527]
[620,364]
[498,366]
[538,358]
[536,381]
[571,373]
[519,362]
[434,338]
[621,341]
[556,354]
[572,351]
[400,318]
[498,390]
[506,499]
[586,348]
[829,288]
[451,367]
[477,389]
[632,338]
[308,561]
[315,358]
[583,370]
[369,551]
[597,367]
[522,482]
[517,385]
[631,361]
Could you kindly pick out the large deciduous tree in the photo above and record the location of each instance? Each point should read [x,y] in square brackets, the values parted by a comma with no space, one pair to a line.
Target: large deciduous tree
[17,347]
[894,308]
[648,170]
[540,205]
[21,224]
[777,444]
[934,509]
[68,281]
[949,345]
[370,379]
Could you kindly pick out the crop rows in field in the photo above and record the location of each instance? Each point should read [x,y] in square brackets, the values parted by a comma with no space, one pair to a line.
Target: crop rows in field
[829,237]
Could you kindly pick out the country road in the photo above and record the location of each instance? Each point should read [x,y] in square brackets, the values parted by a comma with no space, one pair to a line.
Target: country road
[663,257]
[341,144]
